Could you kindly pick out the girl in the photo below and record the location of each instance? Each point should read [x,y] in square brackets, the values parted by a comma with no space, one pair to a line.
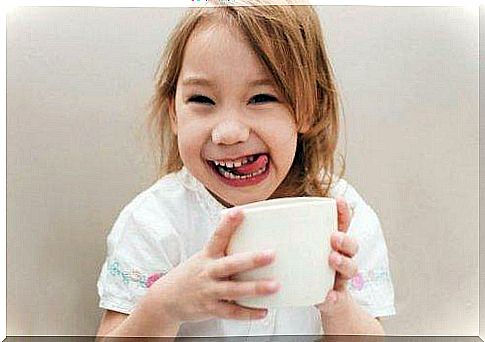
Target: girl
[245,109]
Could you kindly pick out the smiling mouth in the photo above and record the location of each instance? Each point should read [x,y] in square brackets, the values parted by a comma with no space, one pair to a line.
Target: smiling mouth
[247,170]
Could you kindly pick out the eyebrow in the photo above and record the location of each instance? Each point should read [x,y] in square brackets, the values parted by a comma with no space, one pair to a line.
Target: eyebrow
[261,82]
[194,80]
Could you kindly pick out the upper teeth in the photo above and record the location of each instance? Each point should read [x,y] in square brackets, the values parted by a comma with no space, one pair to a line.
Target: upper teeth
[234,163]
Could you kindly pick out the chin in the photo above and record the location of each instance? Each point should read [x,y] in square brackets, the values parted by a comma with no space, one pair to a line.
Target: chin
[241,199]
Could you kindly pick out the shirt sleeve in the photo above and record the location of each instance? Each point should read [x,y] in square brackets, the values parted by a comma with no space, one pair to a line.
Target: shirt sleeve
[141,247]
[372,287]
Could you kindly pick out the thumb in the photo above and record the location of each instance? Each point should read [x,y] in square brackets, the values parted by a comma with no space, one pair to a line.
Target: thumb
[223,233]
[330,303]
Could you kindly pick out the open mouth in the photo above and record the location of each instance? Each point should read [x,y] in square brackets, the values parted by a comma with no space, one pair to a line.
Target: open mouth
[243,171]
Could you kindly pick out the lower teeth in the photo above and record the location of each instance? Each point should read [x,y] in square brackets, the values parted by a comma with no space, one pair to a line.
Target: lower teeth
[230,175]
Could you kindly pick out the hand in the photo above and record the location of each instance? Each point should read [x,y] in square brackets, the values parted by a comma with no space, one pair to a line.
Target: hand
[200,288]
[339,312]
[344,248]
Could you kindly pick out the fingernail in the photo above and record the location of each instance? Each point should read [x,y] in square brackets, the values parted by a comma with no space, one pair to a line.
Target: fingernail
[268,254]
[232,213]
[273,286]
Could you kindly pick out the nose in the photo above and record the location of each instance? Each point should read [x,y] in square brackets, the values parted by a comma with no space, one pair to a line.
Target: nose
[230,132]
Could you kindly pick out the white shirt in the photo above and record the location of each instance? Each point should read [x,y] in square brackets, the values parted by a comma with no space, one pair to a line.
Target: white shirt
[174,218]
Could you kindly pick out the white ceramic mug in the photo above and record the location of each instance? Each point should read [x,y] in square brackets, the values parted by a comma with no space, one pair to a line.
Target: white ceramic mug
[298,229]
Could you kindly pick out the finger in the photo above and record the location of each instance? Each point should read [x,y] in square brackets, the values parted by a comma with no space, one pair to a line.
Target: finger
[231,290]
[343,265]
[329,302]
[340,282]
[222,235]
[240,262]
[343,214]
[235,311]
[344,244]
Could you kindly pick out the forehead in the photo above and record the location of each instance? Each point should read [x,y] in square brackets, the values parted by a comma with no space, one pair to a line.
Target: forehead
[221,53]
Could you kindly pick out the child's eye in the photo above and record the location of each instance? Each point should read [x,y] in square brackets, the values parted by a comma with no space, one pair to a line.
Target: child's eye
[200,99]
[261,98]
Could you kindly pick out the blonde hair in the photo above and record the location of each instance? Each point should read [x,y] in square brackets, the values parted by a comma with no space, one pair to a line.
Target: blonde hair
[289,43]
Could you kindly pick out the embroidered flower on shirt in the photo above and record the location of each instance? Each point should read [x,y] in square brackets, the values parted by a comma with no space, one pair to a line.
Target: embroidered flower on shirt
[367,277]
[134,276]
[358,281]
[153,278]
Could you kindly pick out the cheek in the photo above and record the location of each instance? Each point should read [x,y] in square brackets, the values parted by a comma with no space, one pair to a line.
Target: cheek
[280,135]
[188,148]
[192,135]
[288,147]
[283,134]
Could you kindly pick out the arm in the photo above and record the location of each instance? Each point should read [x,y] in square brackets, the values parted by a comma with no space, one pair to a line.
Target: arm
[109,321]
[146,320]
[342,315]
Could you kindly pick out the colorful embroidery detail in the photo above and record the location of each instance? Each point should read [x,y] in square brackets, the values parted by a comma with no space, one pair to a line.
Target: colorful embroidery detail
[358,281]
[153,278]
[364,277]
[134,276]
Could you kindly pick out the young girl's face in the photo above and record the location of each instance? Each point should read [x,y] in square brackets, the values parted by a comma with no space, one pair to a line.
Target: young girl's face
[234,129]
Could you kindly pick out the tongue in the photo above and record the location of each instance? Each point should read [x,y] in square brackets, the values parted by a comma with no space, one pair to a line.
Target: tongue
[254,166]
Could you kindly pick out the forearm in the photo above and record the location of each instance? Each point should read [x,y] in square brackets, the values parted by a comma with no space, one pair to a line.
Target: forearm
[348,318]
[365,326]
[148,319]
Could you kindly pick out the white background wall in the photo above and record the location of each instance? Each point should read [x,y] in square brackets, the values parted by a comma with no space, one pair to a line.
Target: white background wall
[79,80]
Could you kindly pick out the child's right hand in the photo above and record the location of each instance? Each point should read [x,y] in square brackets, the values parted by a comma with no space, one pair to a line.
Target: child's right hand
[200,288]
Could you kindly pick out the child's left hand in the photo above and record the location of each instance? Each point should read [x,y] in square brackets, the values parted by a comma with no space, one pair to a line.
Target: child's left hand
[339,312]
[344,248]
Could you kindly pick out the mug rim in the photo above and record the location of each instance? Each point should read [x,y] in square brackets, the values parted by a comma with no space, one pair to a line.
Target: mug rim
[278,203]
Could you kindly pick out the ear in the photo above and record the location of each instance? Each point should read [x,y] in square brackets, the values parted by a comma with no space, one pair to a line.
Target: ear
[172,114]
